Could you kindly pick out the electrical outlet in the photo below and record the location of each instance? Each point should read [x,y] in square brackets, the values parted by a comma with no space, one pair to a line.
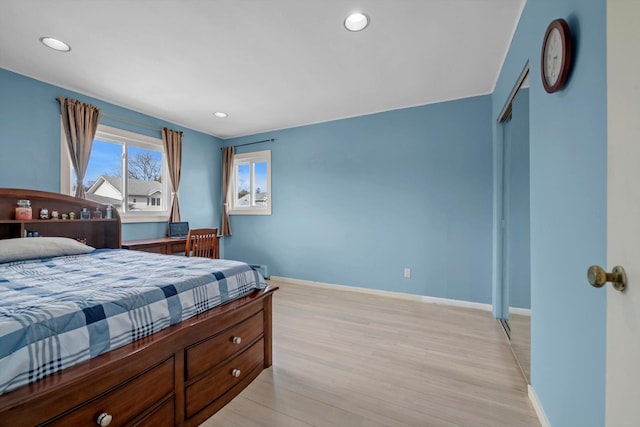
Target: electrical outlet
[407,272]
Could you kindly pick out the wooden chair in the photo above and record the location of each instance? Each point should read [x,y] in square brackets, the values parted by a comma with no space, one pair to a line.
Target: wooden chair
[202,242]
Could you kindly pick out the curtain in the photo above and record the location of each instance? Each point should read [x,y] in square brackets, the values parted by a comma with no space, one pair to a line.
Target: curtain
[80,122]
[227,169]
[172,141]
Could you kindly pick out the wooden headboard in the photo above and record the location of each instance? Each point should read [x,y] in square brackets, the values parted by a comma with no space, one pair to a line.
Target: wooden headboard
[99,233]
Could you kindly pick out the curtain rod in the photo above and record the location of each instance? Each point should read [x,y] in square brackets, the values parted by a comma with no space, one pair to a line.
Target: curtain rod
[122,119]
[133,122]
[251,143]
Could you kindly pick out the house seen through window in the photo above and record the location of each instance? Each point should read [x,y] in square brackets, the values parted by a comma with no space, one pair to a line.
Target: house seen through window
[127,171]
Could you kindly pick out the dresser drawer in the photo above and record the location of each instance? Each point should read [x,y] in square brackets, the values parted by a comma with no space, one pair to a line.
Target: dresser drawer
[163,416]
[213,385]
[154,249]
[174,248]
[207,354]
[127,401]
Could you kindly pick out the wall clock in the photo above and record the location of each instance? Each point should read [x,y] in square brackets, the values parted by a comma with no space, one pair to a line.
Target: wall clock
[555,61]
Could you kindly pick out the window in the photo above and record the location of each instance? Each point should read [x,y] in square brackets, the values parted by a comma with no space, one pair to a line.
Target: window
[251,184]
[116,154]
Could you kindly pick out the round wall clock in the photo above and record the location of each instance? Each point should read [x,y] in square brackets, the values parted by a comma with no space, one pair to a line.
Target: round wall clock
[555,61]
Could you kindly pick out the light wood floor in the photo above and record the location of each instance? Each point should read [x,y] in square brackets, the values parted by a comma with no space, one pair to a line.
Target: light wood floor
[352,359]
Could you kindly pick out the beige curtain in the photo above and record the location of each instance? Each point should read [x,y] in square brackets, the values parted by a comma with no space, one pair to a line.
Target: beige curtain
[173,149]
[80,122]
[227,169]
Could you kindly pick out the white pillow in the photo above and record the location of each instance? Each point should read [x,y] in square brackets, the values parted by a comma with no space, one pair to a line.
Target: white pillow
[40,247]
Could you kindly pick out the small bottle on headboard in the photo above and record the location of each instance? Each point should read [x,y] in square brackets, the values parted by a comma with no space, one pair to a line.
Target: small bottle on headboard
[23,211]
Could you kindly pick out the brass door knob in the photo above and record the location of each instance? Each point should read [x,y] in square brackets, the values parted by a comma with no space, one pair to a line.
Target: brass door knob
[598,277]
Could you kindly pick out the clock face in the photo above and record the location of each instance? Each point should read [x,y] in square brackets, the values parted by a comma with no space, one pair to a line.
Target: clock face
[556,56]
[553,57]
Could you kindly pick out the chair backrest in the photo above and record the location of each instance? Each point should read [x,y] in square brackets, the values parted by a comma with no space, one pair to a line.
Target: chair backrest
[202,242]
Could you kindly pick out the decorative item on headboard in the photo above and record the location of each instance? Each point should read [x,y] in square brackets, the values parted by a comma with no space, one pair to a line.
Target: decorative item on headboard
[23,211]
[44,213]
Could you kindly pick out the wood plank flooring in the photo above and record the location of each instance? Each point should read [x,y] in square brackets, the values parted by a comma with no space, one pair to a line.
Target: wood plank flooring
[352,359]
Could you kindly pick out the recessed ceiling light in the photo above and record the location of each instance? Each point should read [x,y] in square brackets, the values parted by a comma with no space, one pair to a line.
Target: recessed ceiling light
[55,44]
[220,114]
[356,21]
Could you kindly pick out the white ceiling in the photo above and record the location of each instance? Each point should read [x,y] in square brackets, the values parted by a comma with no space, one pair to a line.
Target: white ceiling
[270,64]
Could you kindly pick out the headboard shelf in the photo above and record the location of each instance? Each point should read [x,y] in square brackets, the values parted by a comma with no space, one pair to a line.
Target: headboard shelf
[99,233]
[60,221]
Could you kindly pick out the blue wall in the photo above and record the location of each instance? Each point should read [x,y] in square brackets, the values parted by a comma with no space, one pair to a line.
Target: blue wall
[568,152]
[30,149]
[357,200]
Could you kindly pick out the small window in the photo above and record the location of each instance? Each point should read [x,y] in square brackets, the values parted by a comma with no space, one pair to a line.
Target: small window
[251,184]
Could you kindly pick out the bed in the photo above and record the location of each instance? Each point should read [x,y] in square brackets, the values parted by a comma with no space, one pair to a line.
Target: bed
[118,337]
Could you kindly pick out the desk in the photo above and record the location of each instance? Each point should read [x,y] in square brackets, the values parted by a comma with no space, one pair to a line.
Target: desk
[163,245]
[159,245]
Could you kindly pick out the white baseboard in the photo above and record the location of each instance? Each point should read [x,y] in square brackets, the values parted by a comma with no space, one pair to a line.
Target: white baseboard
[457,303]
[537,406]
[520,311]
[388,294]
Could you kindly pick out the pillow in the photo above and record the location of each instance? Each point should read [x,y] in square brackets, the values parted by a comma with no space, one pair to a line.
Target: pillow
[40,247]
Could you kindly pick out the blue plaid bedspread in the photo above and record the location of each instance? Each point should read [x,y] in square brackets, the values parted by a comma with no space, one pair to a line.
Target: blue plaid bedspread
[57,312]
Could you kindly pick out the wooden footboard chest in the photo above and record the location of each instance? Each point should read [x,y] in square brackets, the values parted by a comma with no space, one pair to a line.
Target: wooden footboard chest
[177,377]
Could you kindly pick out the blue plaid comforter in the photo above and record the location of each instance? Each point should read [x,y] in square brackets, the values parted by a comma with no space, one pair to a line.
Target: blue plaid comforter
[57,312]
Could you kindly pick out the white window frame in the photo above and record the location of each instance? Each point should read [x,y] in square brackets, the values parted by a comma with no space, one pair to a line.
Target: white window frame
[127,138]
[251,159]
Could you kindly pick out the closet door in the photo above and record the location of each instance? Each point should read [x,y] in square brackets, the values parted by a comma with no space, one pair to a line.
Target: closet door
[517,204]
[516,260]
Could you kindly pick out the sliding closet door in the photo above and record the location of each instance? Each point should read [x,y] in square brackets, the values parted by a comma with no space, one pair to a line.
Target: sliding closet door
[516,237]
[518,234]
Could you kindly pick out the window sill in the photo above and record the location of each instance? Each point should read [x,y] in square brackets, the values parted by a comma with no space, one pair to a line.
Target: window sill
[129,219]
[250,212]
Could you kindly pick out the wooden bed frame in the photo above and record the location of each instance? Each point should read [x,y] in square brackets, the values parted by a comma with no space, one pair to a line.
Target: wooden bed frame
[179,376]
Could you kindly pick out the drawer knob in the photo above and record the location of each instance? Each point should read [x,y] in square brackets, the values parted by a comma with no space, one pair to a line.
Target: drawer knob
[235,373]
[104,419]
[237,340]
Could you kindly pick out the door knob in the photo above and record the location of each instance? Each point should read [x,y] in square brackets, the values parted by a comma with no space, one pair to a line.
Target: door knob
[598,277]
